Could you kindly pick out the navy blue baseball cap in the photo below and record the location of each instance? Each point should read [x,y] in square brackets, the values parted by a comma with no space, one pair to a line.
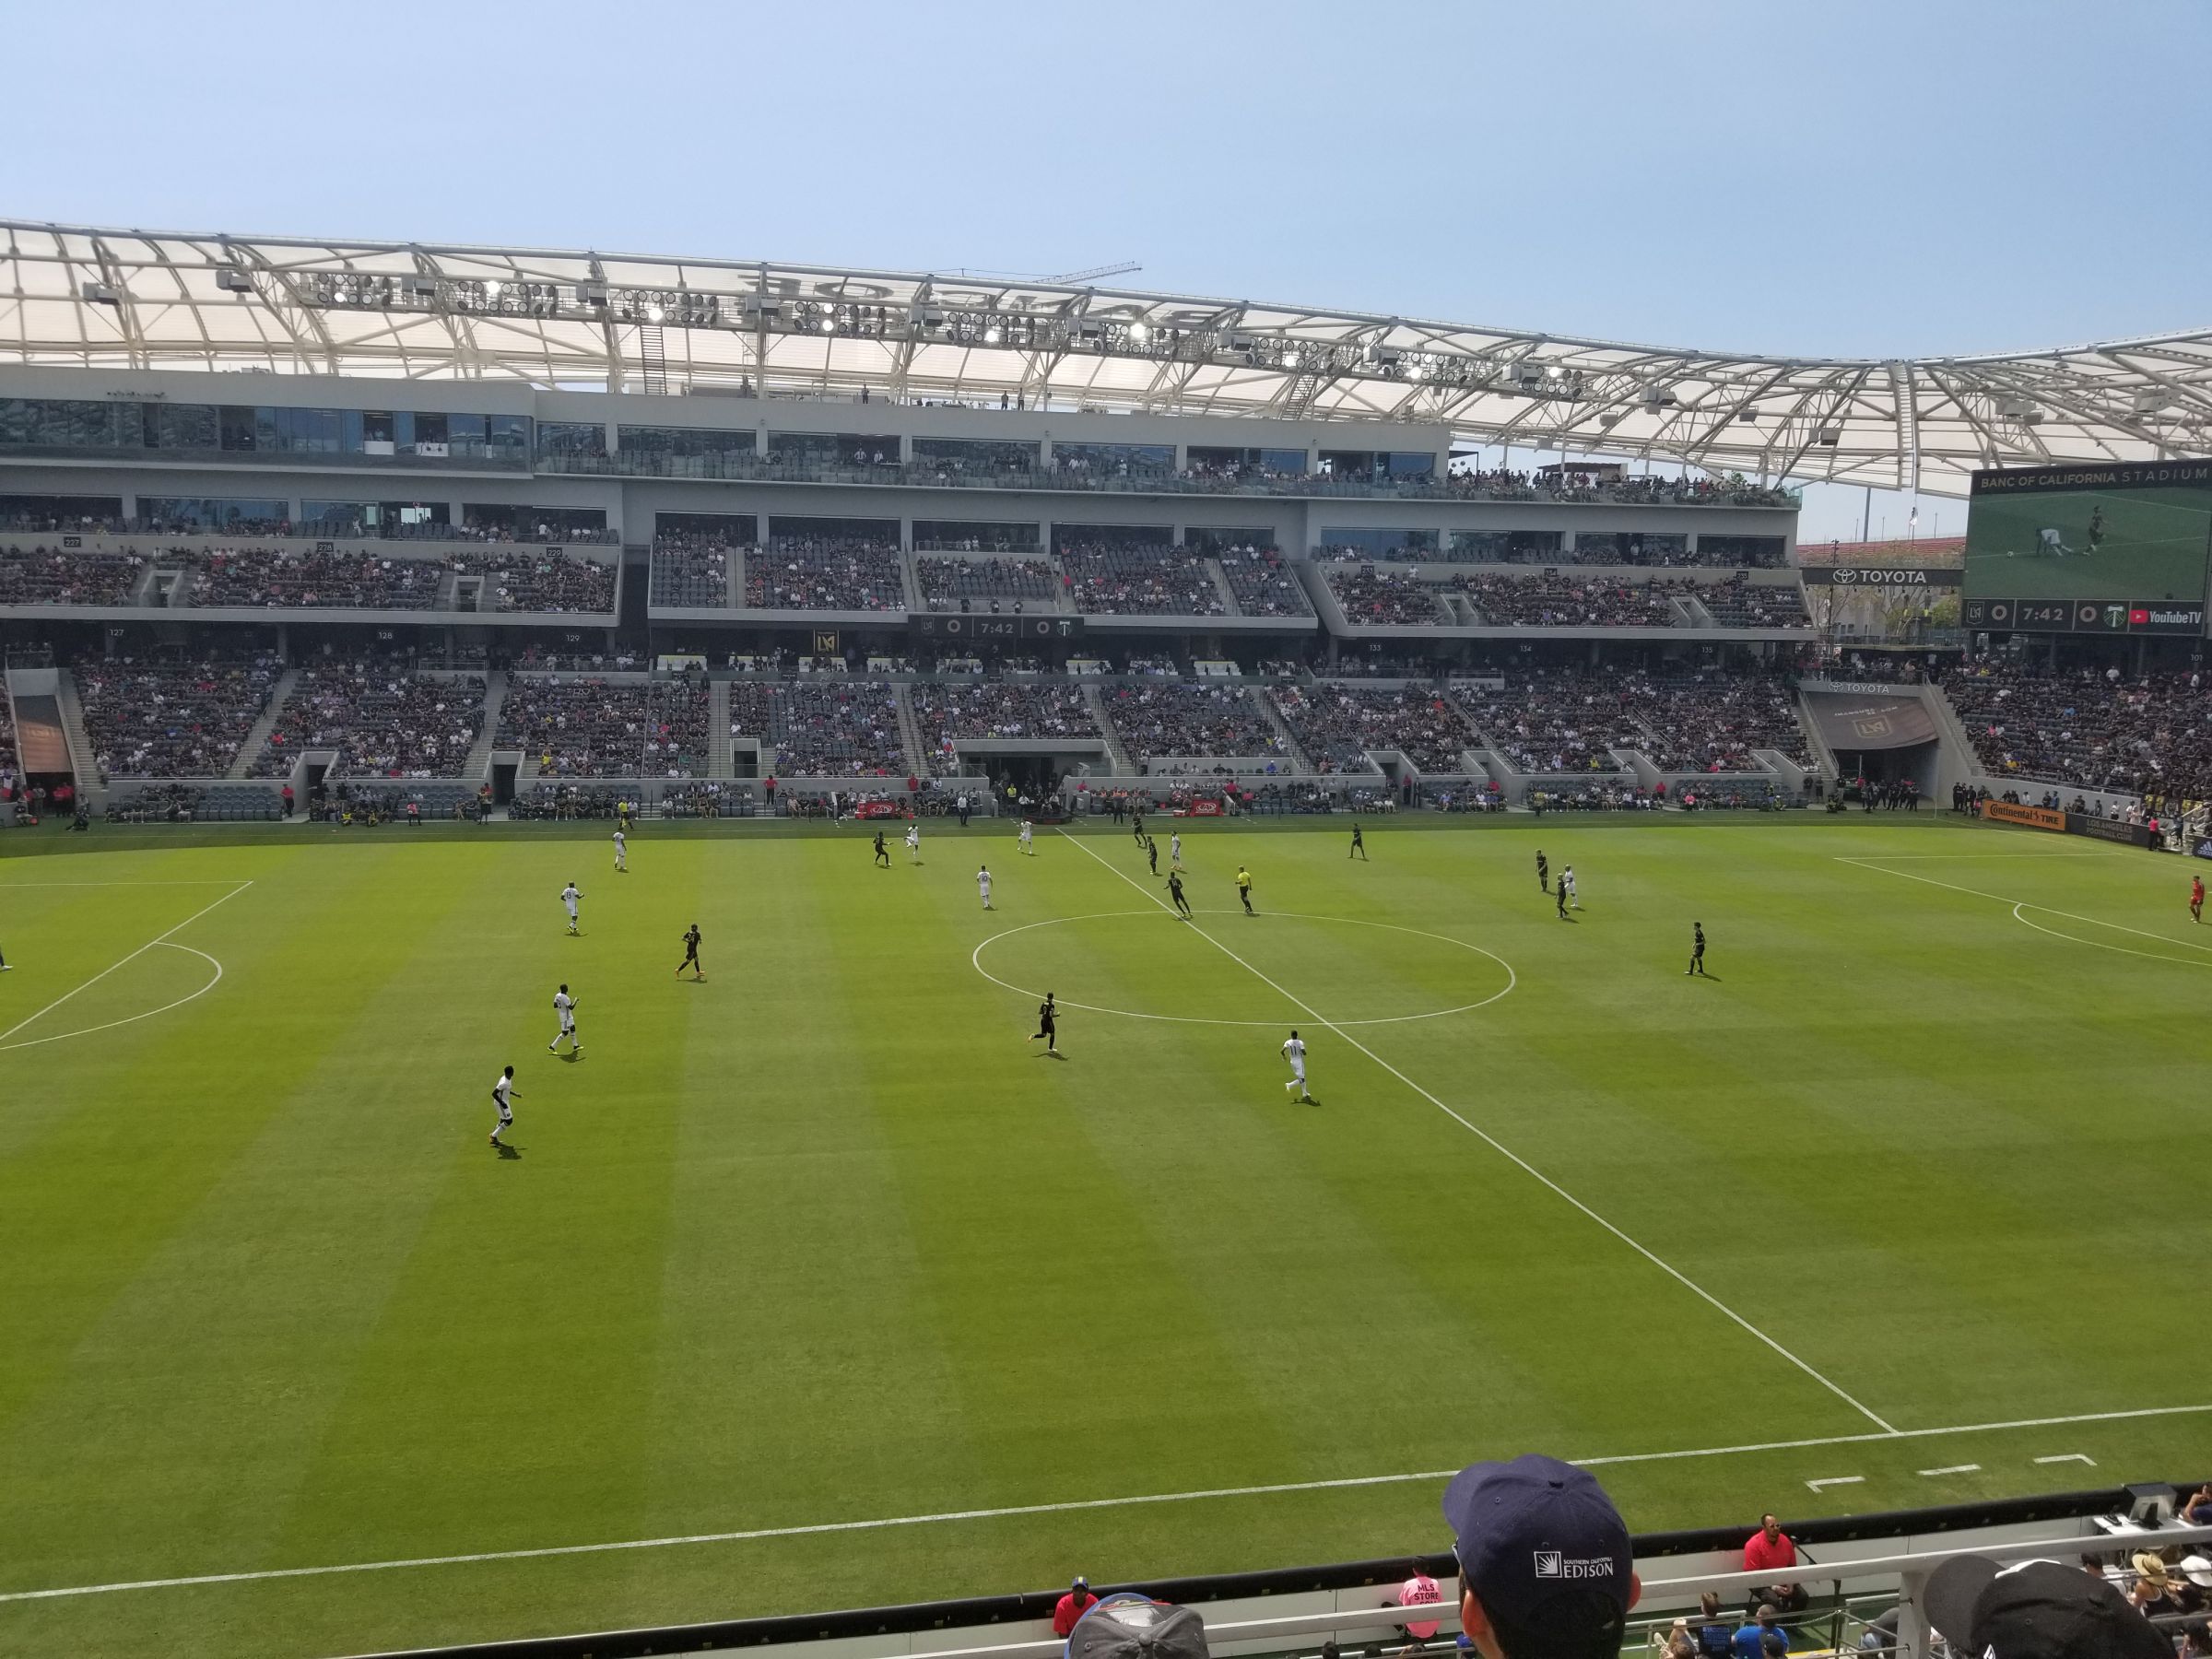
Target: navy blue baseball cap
[1528,1529]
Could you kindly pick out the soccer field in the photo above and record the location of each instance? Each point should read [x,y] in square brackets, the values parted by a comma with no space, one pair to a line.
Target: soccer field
[1893,1199]
[2153,547]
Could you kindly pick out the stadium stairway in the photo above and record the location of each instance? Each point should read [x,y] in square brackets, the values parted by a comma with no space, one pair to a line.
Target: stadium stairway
[250,751]
[478,767]
[1123,766]
[910,733]
[721,759]
[1303,761]
[1229,596]
[73,732]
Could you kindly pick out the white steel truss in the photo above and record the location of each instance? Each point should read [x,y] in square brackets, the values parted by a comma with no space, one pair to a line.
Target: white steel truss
[138,299]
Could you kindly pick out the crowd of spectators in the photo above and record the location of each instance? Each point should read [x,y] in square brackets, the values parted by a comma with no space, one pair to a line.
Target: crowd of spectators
[825,728]
[687,573]
[1335,724]
[1739,603]
[1711,722]
[1556,600]
[949,711]
[1193,718]
[2088,728]
[957,583]
[148,720]
[1142,581]
[42,575]
[543,581]
[824,573]
[597,728]
[1554,723]
[1374,598]
[295,579]
[1263,583]
[382,719]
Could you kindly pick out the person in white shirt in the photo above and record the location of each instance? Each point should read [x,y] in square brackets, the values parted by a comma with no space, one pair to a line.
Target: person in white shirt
[565,1006]
[914,843]
[1567,881]
[568,895]
[1174,849]
[1294,1051]
[503,1096]
[982,883]
[621,853]
[1027,829]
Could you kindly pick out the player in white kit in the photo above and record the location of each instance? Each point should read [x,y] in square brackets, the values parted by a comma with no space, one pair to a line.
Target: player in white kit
[1174,849]
[621,853]
[1567,881]
[982,883]
[1027,829]
[914,843]
[568,895]
[565,1006]
[1294,1051]
[503,1096]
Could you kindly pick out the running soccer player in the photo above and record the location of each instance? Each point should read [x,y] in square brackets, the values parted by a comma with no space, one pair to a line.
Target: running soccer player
[1175,891]
[1561,892]
[1696,949]
[1026,831]
[1174,849]
[1567,881]
[1294,1051]
[1244,889]
[1152,853]
[1136,821]
[621,853]
[1358,845]
[982,883]
[2096,529]
[2196,899]
[1047,1024]
[1543,873]
[568,895]
[565,1006]
[691,955]
[914,843]
[883,853]
[503,1096]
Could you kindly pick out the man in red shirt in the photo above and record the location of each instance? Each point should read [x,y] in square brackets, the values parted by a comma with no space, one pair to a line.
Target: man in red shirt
[1769,1551]
[1072,1607]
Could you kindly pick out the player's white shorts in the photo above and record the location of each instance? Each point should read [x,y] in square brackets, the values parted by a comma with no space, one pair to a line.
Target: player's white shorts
[568,1027]
[1297,1071]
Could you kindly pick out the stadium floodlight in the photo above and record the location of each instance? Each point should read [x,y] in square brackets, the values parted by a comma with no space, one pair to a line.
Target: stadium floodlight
[1553,371]
[654,313]
[1139,332]
[829,323]
[491,288]
[1290,359]
[1414,372]
[990,335]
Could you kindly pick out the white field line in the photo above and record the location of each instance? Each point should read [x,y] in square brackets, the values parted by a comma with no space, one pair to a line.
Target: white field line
[1011,1512]
[1503,1150]
[1951,1469]
[195,881]
[1837,1480]
[111,967]
[134,1018]
[2019,904]
[2069,1457]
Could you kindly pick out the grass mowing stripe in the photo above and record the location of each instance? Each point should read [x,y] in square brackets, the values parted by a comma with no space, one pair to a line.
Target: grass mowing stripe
[1135,1501]
[1499,1147]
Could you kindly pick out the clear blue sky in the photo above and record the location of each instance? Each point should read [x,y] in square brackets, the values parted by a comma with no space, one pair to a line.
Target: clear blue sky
[1858,178]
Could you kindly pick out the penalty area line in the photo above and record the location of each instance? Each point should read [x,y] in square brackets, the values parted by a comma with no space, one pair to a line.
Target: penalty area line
[1017,1510]
[1511,1156]
[161,939]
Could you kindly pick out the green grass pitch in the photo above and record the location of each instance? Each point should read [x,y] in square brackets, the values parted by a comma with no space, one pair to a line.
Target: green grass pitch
[824,1240]
[2153,548]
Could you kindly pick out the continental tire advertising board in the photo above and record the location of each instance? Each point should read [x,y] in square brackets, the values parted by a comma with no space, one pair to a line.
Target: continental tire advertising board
[2114,549]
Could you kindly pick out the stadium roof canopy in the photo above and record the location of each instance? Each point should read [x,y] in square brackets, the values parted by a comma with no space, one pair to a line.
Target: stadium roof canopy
[141,300]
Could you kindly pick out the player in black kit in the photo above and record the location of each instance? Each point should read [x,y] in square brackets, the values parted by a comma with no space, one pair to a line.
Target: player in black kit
[1697,950]
[691,955]
[1047,1024]
[1152,853]
[1543,875]
[1175,892]
[882,855]
[1358,845]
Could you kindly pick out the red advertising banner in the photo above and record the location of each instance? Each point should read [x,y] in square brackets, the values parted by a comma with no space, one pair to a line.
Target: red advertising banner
[1203,809]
